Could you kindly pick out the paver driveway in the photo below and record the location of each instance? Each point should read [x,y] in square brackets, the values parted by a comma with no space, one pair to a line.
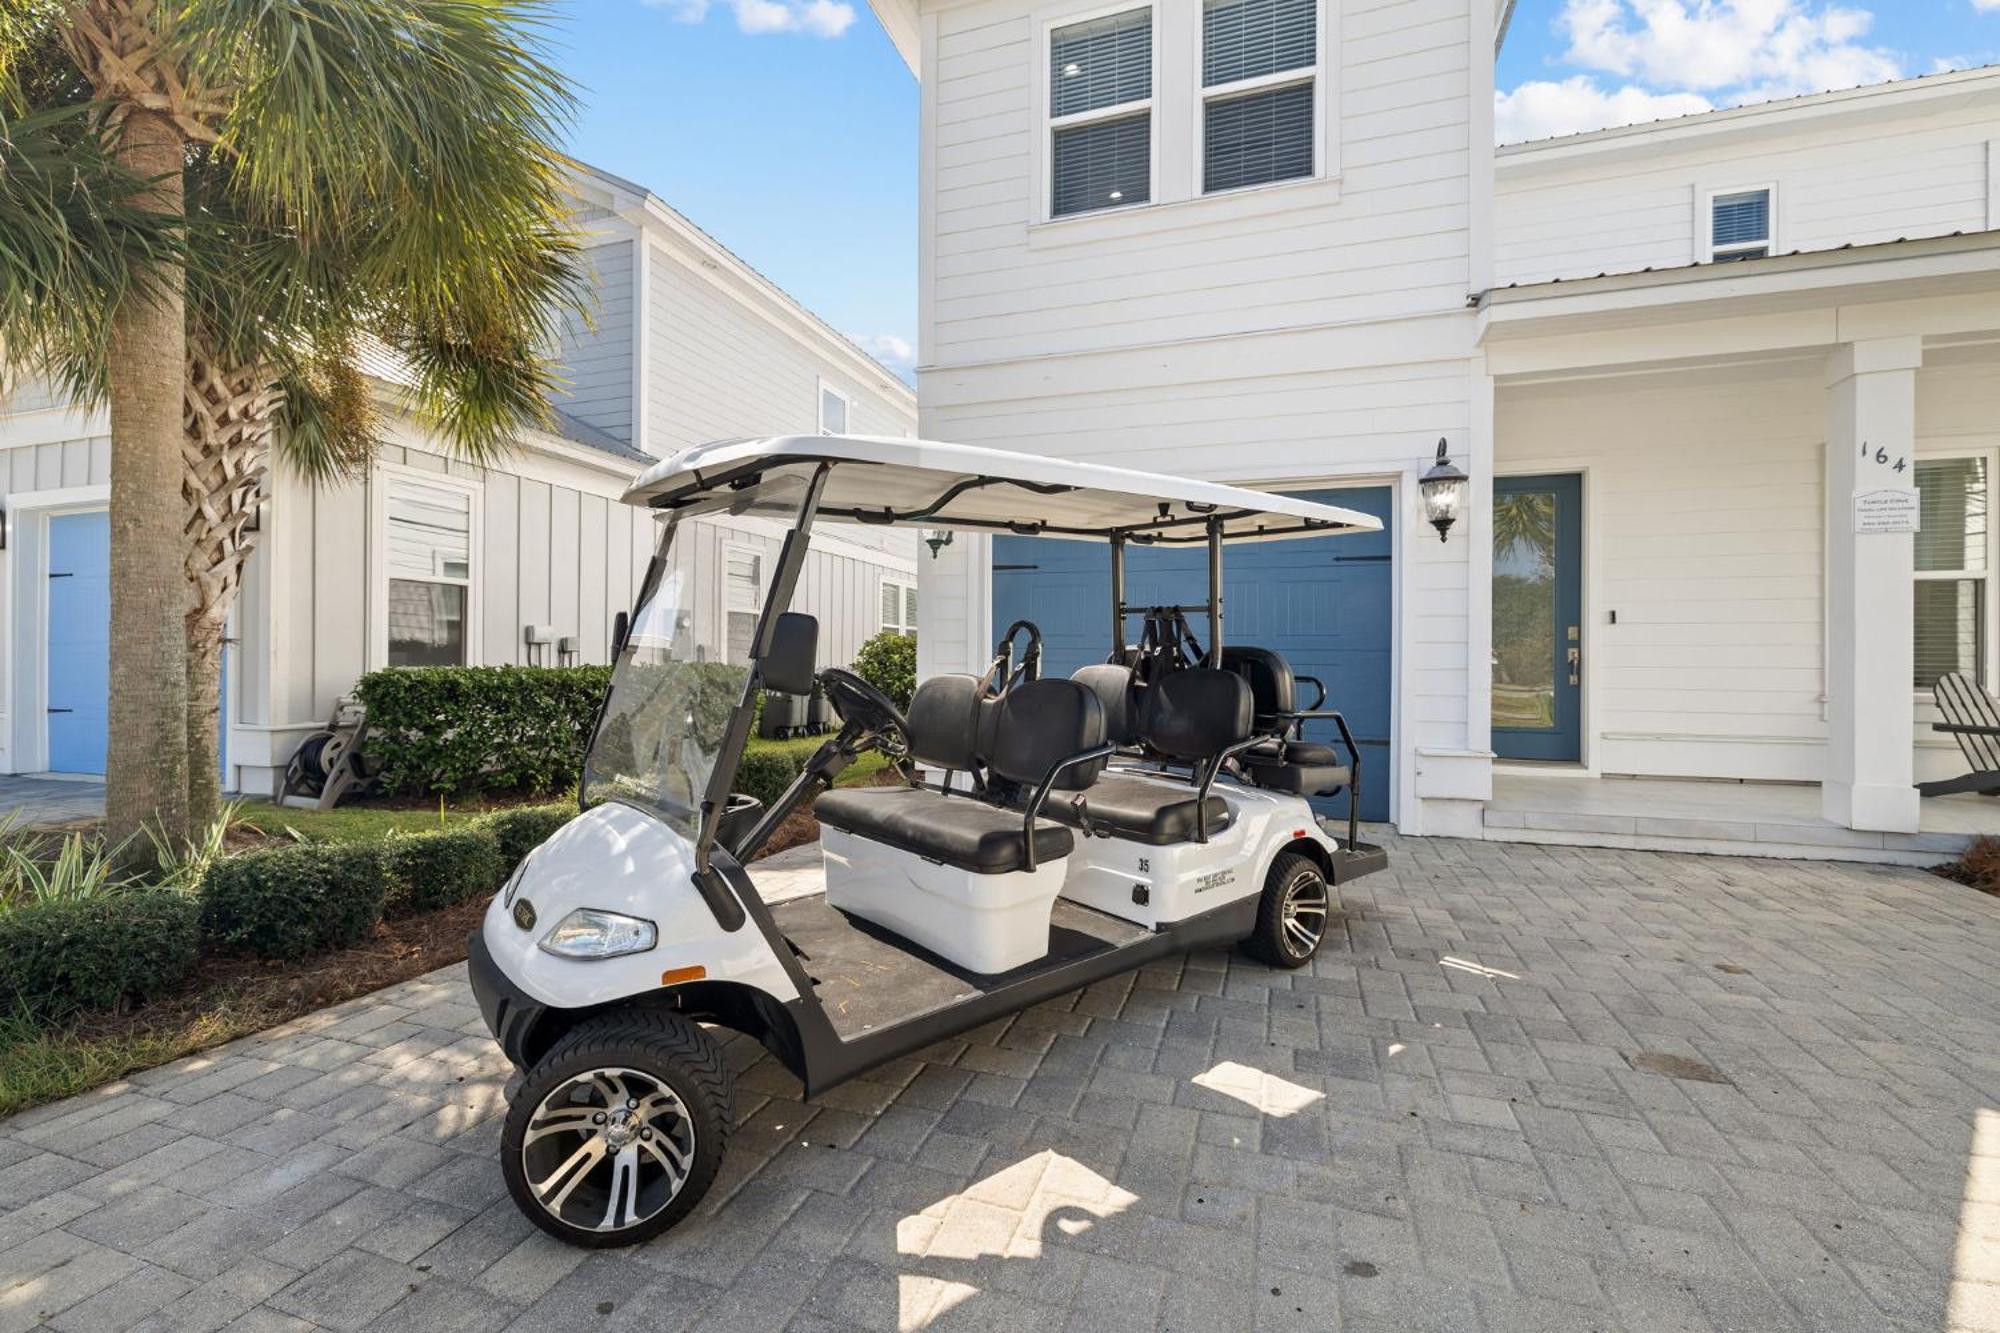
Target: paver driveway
[1438,1126]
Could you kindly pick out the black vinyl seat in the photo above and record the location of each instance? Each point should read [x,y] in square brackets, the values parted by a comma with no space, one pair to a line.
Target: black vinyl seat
[1158,809]
[960,831]
[1302,768]
[1033,727]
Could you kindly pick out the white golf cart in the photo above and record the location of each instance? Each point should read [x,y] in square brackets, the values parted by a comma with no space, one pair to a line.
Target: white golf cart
[1045,833]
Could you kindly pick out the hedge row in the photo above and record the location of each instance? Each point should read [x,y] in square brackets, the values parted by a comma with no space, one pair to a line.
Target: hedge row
[286,903]
[458,731]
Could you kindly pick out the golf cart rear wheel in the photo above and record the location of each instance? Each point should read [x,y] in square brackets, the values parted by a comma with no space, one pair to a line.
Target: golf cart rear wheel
[618,1131]
[1292,915]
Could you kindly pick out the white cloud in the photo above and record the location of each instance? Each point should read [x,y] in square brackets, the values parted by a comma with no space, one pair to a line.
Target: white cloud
[1678,57]
[1543,110]
[819,18]
[897,353]
[1760,48]
[1987,6]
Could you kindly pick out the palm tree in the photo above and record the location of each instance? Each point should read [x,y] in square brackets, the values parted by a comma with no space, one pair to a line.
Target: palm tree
[420,125]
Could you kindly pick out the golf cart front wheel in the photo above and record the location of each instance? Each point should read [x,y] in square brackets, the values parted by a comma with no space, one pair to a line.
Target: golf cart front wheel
[617,1133]
[1293,913]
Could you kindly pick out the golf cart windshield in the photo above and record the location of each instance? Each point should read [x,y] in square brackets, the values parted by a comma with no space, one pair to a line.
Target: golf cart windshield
[666,722]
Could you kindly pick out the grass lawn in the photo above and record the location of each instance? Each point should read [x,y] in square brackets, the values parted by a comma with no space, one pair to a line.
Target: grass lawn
[352,823]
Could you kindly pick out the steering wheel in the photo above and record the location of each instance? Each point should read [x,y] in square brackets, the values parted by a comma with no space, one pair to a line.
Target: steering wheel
[863,707]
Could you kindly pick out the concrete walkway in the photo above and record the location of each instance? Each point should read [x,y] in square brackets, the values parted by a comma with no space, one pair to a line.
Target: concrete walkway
[1450,1122]
[45,801]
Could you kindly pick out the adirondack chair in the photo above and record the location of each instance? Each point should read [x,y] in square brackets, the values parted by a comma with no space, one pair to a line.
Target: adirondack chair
[1972,716]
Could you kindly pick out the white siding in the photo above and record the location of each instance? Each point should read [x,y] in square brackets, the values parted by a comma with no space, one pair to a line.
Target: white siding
[1702,517]
[1387,236]
[597,361]
[1855,179]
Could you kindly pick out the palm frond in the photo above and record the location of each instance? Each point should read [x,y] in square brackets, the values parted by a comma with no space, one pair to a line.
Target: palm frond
[73,243]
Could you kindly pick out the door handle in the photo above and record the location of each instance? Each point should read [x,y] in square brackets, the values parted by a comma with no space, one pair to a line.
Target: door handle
[1575,659]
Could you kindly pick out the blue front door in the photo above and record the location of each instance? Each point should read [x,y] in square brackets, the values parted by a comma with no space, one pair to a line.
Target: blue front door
[79,642]
[1538,617]
[1324,602]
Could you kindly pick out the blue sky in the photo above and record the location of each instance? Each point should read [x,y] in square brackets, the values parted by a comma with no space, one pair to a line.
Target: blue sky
[1572,65]
[788,128]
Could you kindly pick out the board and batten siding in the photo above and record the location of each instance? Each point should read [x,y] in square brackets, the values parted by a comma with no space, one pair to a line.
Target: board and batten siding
[1856,179]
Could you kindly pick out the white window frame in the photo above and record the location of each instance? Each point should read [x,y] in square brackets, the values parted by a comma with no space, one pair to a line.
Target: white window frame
[1990,663]
[1705,224]
[826,387]
[903,586]
[384,475]
[1315,74]
[759,558]
[1045,51]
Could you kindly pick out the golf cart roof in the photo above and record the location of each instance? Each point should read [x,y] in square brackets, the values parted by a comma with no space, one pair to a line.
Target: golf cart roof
[880,481]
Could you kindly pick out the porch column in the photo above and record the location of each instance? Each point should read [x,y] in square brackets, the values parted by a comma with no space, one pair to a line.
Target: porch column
[1871,429]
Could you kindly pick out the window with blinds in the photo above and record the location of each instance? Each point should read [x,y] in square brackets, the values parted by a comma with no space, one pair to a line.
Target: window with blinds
[742,580]
[1101,113]
[1740,225]
[899,606]
[1259,61]
[430,572]
[1952,568]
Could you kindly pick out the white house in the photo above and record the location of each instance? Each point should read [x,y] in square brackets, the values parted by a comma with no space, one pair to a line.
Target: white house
[431,561]
[1269,242]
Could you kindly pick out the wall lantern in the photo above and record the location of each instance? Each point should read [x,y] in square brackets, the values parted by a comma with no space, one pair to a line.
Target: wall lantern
[937,539]
[1444,493]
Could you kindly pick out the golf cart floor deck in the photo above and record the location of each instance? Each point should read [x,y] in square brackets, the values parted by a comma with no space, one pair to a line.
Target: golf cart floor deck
[869,978]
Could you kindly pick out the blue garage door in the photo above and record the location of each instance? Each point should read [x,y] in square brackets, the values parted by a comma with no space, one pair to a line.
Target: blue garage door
[79,641]
[1322,602]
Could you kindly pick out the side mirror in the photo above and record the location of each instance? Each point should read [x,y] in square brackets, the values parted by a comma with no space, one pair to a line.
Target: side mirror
[789,665]
[621,625]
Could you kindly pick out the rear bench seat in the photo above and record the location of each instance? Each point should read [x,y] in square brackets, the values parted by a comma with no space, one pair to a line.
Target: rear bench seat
[1187,717]
[1031,728]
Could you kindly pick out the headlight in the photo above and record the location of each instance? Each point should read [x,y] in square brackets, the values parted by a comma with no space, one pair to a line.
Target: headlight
[589,933]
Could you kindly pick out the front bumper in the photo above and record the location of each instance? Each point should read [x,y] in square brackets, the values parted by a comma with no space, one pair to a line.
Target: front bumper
[511,1014]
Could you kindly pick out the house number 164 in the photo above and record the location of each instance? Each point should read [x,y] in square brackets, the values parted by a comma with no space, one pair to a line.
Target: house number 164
[1882,456]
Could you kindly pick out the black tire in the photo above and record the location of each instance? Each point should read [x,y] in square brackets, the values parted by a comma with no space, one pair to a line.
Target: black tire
[677,1089]
[1295,892]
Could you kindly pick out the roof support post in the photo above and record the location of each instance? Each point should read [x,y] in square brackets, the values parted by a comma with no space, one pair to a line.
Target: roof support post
[1215,591]
[1118,597]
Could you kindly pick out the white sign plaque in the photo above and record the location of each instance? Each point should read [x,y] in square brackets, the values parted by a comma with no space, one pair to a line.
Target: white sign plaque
[1888,510]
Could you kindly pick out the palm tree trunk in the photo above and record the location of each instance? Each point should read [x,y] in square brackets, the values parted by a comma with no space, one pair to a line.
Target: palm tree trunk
[224,451]
[146,777]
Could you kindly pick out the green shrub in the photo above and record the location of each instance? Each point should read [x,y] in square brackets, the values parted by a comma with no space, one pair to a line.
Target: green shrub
[294,902]
[458,731]
[525,828]
[427,871]
[64,954]
[889,663]
[767,770]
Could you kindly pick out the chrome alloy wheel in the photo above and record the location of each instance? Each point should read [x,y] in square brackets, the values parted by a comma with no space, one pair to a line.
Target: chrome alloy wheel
[608,1149]
[1302,915]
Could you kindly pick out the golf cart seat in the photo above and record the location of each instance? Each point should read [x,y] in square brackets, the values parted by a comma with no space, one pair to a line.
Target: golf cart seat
[1283,763]
[1149,807]
[956,873]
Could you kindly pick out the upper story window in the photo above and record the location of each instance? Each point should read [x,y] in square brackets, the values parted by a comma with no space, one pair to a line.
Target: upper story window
[1259,61]
[832,411]
[1739,225]
[1101,113]
[430,572]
